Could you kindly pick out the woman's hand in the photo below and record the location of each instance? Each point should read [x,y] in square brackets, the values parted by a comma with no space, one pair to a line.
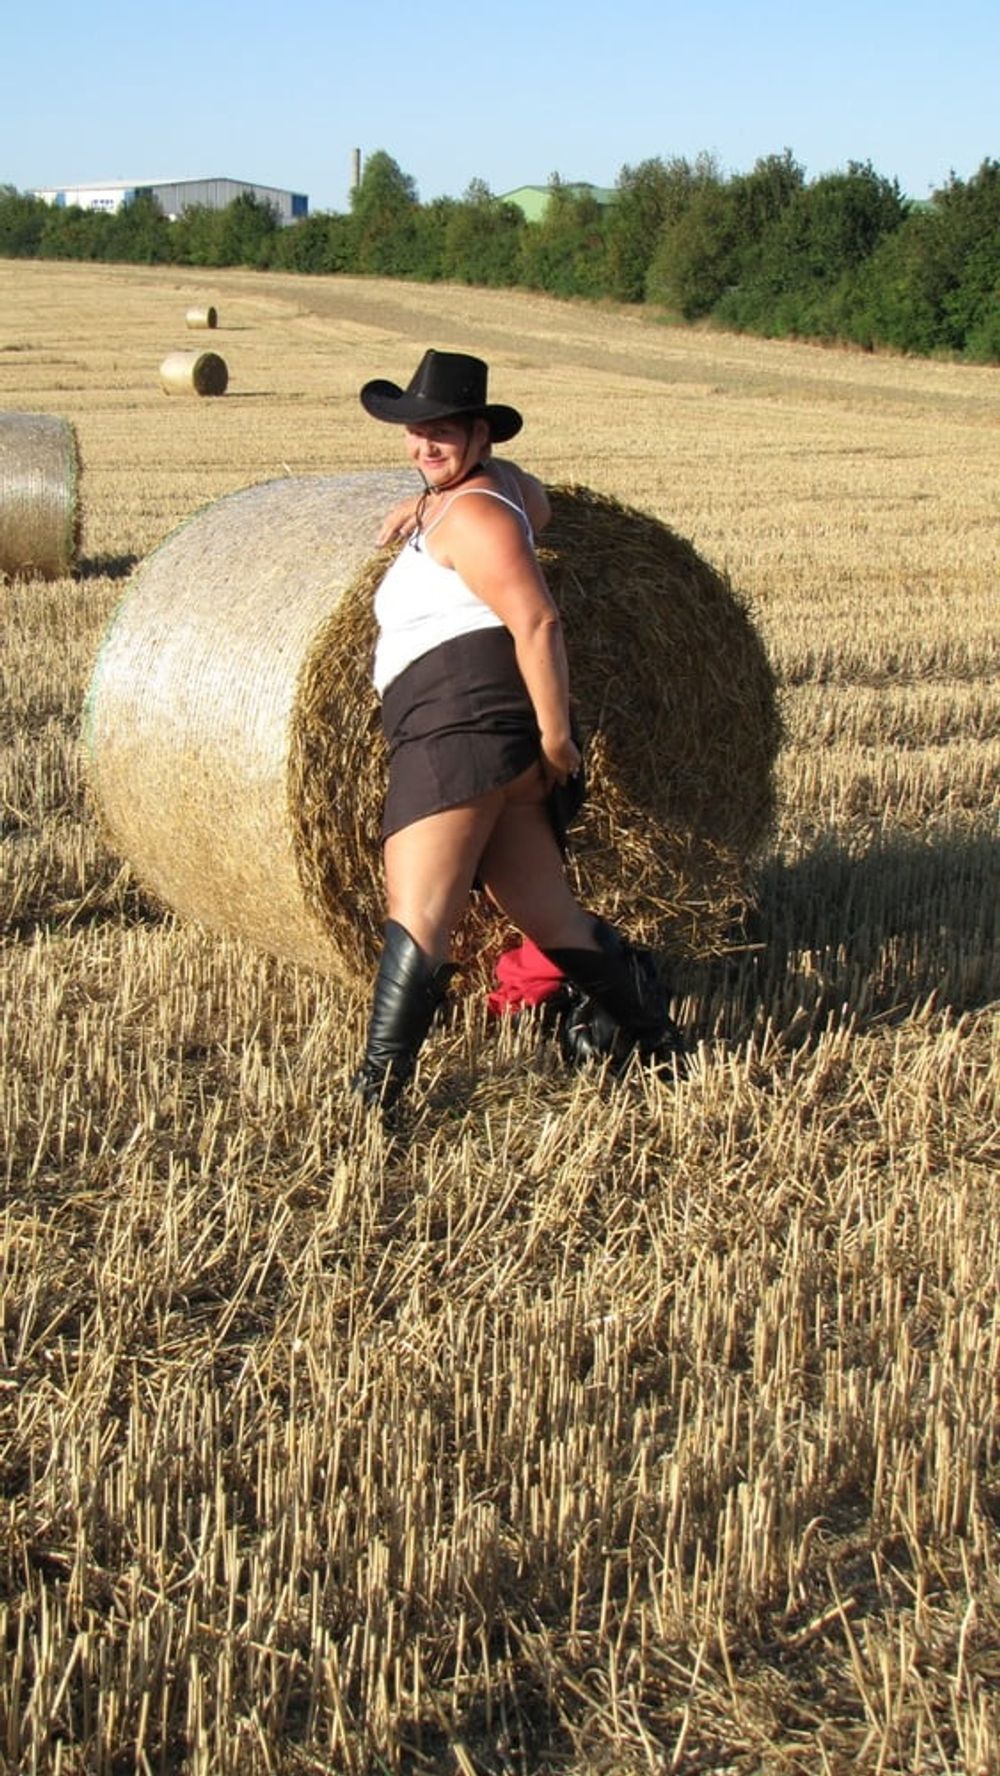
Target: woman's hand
[560,759]
[400,522]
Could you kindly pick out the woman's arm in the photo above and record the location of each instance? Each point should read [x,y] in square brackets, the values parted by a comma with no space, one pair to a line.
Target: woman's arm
[486,545]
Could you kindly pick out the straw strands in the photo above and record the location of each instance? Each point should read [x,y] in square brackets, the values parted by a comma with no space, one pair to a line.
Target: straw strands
[678,704]
[39,511]
[201,317]
[194,373]
[235,751]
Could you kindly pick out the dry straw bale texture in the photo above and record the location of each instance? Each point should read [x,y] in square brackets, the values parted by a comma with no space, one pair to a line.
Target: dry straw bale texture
[194,373]
[202,317]
[194,703]
[39,508]
[234,746]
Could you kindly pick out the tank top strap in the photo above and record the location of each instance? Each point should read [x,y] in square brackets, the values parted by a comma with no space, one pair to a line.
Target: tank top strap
[491,493]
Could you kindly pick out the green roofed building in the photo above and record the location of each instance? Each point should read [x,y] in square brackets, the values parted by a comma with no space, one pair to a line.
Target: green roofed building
[533,200]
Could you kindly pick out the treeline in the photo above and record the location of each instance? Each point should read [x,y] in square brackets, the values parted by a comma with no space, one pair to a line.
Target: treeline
[841,257]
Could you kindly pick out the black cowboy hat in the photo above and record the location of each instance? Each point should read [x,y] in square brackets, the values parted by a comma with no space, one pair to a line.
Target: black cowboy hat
[443,385]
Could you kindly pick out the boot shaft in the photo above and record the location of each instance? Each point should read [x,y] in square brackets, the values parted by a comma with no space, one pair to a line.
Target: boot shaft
[409,990]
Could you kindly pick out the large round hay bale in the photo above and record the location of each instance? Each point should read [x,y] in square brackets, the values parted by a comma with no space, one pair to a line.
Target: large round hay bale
[39,508]
[201,317]
[194,373]
[234,746]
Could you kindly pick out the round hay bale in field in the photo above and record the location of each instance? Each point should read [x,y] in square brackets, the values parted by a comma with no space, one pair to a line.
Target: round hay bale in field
[201,317]
[39,507]
[234,746]
[194,373]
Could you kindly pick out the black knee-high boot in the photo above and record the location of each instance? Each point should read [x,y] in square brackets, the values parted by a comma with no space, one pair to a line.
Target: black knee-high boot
[621,982]
[409,989]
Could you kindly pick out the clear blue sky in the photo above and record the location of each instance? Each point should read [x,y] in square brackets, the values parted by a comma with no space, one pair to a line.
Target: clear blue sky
[509,93]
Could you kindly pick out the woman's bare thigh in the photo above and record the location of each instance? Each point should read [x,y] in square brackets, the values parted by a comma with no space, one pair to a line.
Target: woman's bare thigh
[506,838]
[430,867]
[522,870]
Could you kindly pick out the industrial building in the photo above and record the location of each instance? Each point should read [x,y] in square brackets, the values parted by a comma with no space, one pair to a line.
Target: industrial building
[177,195]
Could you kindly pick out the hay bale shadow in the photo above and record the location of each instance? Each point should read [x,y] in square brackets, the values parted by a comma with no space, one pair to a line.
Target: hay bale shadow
[119,901]
[871,937]
[105,567]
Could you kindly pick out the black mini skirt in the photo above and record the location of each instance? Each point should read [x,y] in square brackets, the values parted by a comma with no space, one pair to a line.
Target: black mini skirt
[458,723]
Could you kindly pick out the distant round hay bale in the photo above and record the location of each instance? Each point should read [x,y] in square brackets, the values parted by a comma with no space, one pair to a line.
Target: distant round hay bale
[194,373]
[234,747]
[202,317]
[39,507]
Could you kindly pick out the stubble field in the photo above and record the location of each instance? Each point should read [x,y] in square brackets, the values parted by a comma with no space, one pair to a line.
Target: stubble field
[595,1428]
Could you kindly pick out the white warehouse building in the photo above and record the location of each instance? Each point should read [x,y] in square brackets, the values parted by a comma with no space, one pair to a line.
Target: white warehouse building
[176,195]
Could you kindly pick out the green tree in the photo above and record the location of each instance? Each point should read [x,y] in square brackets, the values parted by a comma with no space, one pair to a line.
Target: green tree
[836,222]
[246,229]
[384,210]
[139,233]
[707,248]
[762,195]
[71,232]
[696,254]
[482,239]
[323,242]
[427,257]
[650,196]
[895,297]
[970,248]
[934,284]
[22,223]
[564,253]
[196,235]
[796,280]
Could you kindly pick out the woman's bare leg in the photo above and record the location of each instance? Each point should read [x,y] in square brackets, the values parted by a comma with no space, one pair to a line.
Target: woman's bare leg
[430,867]
[522,869]
[505,838]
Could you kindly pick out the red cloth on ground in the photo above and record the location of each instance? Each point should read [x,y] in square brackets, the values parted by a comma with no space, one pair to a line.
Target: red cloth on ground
[524,977]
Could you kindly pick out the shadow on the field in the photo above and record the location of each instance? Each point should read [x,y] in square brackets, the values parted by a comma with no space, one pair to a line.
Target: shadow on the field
[868,937]
[105,567]
[117,901]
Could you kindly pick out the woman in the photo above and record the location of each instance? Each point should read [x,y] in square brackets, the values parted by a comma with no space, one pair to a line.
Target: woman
[471,669]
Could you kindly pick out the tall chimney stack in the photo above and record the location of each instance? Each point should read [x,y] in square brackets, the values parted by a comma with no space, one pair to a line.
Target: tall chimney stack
[355,168]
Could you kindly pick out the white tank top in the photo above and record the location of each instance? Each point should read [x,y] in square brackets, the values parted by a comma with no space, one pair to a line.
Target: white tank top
[420,603]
